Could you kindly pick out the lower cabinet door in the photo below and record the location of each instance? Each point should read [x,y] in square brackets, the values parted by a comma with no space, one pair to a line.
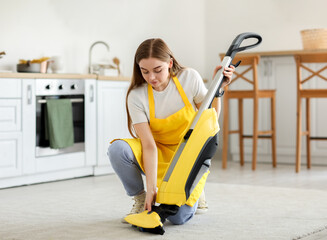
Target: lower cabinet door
[10,115]
[10,154]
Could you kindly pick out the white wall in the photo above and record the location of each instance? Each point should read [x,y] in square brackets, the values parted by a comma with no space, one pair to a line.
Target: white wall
[36,28]
[279,22]
[196,30]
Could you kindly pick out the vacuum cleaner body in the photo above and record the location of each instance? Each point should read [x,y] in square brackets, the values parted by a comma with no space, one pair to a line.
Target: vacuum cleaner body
[186,175]
[191,163]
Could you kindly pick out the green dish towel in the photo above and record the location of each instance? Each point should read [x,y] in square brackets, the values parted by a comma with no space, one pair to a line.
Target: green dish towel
[59,123]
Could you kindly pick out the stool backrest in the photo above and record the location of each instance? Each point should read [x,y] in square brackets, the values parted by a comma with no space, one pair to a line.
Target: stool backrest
[302,59]
[251,63]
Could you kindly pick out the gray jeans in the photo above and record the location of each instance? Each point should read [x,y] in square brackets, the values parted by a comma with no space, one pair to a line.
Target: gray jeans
[128,170]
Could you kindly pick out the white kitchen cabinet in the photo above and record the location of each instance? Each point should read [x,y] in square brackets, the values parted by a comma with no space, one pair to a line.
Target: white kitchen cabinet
[10,88]
[10,154]
[19,164]
[10,115]
[112,120]
[104,120]
[279,73]
[10,128]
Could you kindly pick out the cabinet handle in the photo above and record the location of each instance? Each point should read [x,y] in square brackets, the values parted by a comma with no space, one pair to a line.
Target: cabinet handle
[91,93]
[29,94]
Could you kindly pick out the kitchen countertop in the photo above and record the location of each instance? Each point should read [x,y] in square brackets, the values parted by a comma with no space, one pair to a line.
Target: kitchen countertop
[111,78]
[62,76]
[65,76]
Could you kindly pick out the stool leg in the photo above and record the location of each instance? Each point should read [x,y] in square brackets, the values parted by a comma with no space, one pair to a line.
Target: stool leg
[255,133]
[240,127]
[308,133]
[225,131]
[298,134]
[273,129]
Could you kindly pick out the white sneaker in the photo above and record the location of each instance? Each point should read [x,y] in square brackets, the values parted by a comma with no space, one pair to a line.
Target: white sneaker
[202,205]
[138,205]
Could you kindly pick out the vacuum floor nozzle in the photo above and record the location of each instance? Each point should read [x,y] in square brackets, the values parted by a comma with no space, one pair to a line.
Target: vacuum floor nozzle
[152,221]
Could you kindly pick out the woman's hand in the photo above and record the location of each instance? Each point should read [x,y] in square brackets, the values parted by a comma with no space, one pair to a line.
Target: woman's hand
[150,200]
[228,73]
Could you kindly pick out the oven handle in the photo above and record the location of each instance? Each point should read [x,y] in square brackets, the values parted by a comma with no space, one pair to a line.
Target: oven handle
[91,93]
[73,100]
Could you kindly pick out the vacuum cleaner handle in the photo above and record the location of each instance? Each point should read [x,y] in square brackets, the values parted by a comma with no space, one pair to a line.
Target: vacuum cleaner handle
[215,87]
[235,46]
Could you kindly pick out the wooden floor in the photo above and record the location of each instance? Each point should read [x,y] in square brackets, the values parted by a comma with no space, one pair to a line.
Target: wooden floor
[265,175]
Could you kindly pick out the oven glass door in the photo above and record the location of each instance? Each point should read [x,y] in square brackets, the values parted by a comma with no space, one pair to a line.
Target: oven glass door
[42,144]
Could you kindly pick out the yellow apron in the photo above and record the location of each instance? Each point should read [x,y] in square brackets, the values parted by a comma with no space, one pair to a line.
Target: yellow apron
[166,132]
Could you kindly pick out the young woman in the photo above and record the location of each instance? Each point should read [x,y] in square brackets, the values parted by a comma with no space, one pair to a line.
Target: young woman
[161,101]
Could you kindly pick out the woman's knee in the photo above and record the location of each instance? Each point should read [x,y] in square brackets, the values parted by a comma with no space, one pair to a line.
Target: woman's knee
[180,219]
[184,214]
[115,150]
[119,151]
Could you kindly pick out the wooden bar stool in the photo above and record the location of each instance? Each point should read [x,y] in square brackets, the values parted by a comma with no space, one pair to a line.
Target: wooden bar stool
[301,64]
[255,94]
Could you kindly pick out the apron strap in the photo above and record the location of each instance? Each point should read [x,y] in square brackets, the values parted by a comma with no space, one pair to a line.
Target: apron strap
[181,92]
[151,102]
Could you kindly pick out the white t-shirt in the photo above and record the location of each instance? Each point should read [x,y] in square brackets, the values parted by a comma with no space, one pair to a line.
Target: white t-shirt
[168,101]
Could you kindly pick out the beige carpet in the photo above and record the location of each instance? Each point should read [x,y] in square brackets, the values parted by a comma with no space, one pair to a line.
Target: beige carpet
[91,208]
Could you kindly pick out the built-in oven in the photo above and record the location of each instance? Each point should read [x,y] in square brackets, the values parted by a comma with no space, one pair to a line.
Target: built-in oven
[72,89]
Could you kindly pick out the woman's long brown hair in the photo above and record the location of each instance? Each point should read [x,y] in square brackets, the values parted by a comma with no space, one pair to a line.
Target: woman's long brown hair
[150,48]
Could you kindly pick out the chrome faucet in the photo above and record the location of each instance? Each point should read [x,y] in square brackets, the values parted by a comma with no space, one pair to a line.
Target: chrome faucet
[90,53]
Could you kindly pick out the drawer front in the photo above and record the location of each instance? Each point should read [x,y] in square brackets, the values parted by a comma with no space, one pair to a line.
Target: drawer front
[10,88]
[10,115]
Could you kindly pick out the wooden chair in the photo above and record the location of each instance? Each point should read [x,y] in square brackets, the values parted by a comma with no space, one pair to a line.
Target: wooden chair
[307,94]
[251,62]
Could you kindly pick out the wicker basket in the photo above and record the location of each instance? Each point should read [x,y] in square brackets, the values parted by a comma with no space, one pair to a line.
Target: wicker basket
[314,39]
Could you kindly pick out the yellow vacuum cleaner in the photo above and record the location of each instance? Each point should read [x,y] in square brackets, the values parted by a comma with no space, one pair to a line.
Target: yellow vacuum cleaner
[184,179]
